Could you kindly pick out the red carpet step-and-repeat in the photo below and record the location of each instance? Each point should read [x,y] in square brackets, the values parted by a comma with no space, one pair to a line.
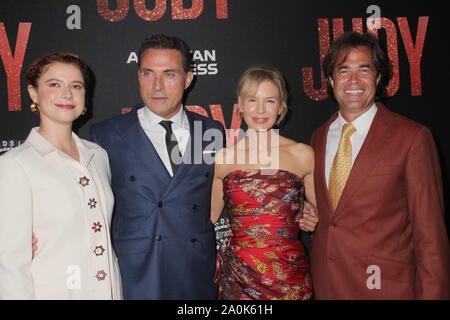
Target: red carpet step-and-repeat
[226,37]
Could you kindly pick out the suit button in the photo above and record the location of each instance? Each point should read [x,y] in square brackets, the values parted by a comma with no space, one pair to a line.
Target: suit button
[132,178]
[331,259]
[207,174]
[160,204]
[158,237]
[333,225]
[195,206]
[193,240]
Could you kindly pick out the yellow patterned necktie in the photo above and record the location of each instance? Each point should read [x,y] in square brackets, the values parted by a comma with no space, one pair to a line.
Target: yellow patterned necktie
[342,165]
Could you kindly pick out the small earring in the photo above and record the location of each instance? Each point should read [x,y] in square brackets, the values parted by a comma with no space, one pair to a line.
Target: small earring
[34,107]
[84,110]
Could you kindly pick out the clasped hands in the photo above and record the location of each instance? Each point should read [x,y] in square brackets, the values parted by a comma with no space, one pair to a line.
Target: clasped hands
[308,219]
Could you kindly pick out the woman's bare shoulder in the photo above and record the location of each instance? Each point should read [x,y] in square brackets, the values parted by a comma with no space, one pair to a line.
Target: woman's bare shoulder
[296,148]
[299,157]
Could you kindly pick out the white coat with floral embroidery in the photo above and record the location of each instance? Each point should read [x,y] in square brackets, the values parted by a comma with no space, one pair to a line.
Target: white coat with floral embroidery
[68,205]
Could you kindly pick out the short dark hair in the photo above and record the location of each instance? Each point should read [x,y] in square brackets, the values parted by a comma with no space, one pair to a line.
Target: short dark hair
[162,41]
[349,40]
[40,65]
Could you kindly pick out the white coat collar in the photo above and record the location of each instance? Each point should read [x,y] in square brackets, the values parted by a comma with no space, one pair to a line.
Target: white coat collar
[45,147]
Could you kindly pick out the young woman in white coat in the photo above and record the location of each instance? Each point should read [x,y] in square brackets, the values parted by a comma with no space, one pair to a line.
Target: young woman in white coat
[57,186]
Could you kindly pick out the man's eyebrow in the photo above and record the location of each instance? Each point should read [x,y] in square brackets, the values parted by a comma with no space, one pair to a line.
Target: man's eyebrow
[344,66]
[165,70]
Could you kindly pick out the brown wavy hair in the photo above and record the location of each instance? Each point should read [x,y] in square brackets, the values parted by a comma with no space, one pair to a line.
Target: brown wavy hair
[340,48]
[41,64]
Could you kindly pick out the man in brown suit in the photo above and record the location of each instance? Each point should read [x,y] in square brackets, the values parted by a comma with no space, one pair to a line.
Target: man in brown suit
[381,231]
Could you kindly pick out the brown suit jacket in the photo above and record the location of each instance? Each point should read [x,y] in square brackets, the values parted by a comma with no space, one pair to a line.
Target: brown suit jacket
[390,215]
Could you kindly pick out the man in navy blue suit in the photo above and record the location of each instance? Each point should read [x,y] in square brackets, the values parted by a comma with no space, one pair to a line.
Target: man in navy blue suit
[162,169]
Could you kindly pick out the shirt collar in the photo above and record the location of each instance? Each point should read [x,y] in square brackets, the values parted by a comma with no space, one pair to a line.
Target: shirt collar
[179,119]
[45,147]
[363,122]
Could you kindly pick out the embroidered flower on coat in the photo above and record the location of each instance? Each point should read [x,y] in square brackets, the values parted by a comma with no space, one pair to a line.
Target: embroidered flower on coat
[97,227]
[84,181]
[101,275]
[92,203]
[99,250]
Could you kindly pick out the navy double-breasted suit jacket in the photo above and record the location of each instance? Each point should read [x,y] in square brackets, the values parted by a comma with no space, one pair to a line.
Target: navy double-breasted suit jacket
[161,228]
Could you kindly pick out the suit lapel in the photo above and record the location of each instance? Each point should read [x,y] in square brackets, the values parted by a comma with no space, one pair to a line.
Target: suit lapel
[371,150]
[136,139]
[320,153]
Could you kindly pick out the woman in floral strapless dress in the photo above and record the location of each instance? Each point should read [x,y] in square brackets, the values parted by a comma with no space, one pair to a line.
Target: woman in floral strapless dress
[263,180]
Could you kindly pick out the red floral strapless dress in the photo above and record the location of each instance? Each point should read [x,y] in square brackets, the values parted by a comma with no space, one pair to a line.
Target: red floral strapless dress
[264,258]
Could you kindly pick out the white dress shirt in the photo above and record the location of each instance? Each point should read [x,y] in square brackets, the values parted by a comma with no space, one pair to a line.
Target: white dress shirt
[362,125]
[157,134]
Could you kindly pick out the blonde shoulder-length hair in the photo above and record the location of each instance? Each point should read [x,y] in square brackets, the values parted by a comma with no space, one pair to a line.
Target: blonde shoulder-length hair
[251,79]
